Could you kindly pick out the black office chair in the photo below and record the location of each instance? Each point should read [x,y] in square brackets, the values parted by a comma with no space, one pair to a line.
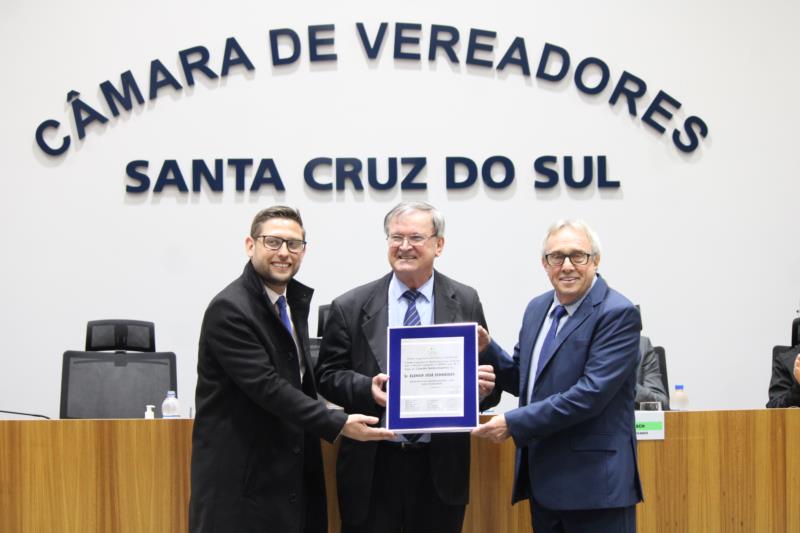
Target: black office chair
[322,317]
[120,335]
[796,331]
[662,363]
[115,385]
[778,350]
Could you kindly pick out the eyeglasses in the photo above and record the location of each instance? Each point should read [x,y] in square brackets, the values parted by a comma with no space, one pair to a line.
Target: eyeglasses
[576,258]
[413,240]
[275,243]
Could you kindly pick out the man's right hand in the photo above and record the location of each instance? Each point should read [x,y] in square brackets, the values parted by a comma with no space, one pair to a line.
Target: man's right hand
[357,428]
[379,389]
[496,429]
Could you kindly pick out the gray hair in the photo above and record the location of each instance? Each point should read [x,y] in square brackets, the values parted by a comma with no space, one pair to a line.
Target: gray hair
[409,207]
[575,224]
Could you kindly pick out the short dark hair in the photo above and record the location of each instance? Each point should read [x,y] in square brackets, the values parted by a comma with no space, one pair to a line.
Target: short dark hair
[276,211]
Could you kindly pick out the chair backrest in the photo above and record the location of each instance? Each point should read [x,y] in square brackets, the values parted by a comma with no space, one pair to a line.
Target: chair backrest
[120,335]
[796,331]
[662,363]
[115,385]
[322,317]
[777,350]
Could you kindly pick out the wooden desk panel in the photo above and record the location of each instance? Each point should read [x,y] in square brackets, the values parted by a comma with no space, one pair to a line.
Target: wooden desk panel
[723,471]
[717,471]
[94,475]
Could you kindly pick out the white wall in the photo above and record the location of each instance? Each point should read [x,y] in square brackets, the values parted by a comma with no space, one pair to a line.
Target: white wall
[705,243]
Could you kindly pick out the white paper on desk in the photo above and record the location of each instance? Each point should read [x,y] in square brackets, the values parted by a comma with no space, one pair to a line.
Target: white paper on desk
[432,377]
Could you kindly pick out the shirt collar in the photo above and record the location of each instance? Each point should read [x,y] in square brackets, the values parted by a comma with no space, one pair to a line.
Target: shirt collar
[272,295]
[397,288]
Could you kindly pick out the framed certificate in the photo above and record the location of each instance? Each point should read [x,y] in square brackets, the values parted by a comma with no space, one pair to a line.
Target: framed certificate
[433,378]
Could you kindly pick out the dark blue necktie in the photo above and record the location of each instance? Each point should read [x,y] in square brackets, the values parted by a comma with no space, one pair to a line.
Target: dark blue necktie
[412,319]
[412,315]
[550,339]
[284,313]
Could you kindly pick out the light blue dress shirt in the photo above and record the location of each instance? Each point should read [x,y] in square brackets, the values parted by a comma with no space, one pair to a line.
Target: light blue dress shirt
[399,305]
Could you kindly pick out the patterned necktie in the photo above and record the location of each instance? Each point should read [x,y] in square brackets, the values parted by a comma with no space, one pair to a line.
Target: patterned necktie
[412,315]
[284,313]
[550,339]
[411,319]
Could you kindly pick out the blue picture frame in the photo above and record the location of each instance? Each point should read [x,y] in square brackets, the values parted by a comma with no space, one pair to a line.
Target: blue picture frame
[433,424]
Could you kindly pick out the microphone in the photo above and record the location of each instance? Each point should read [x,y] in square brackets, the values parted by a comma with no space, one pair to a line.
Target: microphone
[25,414]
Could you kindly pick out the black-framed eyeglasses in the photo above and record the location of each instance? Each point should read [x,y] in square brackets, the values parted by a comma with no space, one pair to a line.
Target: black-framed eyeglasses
[274,243]
[413,240]
[576,258]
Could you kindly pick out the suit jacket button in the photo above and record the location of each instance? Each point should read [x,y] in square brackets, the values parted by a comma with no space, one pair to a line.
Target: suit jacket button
[296,449]
[292,497]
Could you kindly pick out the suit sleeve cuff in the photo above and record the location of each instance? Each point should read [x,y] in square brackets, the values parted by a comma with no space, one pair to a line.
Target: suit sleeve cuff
[516,427]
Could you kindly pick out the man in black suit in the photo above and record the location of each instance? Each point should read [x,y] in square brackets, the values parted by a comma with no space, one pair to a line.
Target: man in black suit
[256,460]
[784,387]
[398,485]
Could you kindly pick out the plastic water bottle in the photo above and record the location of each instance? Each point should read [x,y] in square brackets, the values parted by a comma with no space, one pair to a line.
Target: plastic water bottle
[171,408]
[680,399]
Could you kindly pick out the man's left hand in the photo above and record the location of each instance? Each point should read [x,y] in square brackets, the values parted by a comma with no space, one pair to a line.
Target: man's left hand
[495,430]
[378,389]
[797,369]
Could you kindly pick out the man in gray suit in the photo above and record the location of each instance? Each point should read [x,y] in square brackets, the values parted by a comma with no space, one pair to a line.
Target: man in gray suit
[649,387]
[784,387]
[406,484]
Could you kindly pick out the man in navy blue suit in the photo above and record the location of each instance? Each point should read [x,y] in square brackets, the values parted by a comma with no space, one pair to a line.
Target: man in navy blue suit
[574,370]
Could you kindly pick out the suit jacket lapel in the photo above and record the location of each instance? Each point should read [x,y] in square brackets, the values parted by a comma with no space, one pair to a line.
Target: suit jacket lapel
[375,313]
[587,307]
[566,330]
[445,301]
[527,344]
[375,320]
